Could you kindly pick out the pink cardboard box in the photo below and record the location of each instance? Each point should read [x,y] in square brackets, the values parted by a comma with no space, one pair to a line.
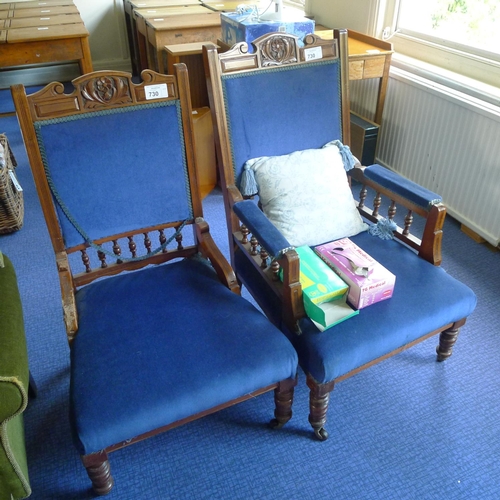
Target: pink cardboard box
[369,282]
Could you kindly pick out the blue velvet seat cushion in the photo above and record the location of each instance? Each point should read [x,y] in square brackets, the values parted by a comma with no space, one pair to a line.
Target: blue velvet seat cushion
[164,343]
[425,299]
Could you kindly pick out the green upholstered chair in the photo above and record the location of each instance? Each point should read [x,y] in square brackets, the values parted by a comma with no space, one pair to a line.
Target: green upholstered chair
[285,98]
[14,387]
[159,334]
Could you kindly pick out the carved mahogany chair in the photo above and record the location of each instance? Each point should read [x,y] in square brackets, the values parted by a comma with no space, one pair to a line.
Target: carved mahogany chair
[158,331]
[280,99]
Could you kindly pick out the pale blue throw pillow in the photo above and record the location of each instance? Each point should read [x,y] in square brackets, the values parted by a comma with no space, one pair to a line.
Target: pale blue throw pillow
[306,195]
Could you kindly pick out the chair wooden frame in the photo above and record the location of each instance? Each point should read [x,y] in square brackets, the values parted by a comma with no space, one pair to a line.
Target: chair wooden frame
[108,90]
[242,241]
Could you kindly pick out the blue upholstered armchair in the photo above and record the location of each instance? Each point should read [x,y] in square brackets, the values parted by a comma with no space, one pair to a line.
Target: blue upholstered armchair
[281,113]
[159,334]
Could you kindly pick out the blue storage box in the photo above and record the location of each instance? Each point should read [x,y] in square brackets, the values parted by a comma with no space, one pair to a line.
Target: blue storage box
[237,27]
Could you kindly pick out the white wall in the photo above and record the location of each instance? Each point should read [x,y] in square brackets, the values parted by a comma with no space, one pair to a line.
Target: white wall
[105,22]
[365,16]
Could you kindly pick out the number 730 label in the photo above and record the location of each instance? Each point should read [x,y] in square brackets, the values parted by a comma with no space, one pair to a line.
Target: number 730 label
[313,53]
[156,91]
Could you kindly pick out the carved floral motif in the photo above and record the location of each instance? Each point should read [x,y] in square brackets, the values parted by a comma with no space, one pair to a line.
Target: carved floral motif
[106,90]
[278,50]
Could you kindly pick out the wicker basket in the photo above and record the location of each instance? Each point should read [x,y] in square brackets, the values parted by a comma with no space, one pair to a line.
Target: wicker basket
[11,193]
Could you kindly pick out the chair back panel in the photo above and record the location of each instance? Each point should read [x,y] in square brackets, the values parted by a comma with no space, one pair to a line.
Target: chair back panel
[267,116]
[105,183]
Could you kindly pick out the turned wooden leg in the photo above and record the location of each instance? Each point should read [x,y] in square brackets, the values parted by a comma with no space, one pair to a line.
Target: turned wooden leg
[99,472]
[447,340]
[319,396]
[283,399]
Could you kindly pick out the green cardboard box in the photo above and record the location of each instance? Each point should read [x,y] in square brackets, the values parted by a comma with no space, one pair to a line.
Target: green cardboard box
[319,282]
[323,291]
[328,314]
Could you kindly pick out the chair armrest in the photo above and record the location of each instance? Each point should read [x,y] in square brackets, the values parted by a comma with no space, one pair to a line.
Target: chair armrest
[279,248]
[414,198]
[402,187]
[260,226]
[211,251]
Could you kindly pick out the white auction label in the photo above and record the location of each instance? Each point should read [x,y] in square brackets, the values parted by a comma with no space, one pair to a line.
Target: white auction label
[313,53]
[156,91]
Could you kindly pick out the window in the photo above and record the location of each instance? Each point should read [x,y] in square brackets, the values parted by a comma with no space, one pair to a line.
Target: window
[475,23]
[461,36]
[295,3]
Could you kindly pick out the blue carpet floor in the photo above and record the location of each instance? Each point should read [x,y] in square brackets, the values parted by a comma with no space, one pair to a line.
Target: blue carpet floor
[408,428]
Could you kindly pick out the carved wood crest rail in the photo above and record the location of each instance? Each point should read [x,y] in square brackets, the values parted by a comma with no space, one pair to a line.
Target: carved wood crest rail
[102,90]
[276,49]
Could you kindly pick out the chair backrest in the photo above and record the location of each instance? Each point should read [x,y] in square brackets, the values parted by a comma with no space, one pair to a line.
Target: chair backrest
[265,114]
[126,199]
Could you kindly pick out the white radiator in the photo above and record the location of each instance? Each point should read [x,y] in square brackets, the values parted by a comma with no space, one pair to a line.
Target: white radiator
[443,140]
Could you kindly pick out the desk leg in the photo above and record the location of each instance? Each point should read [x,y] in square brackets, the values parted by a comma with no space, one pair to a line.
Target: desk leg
[132,43]
[151,52]
[85,62]
[382,90]
[142,47]
[160,66]
[171,60]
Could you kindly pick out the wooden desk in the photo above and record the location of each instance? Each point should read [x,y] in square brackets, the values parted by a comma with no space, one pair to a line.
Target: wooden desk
[368,58]
[147,58]
[185,28]
[128,8]
[206,165]
[191,55]
[44,11]
[28,41]
[26,22]
[41,4]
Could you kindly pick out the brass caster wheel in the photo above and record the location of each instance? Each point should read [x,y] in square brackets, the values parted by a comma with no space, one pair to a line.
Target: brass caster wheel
[276,424]
[321,434]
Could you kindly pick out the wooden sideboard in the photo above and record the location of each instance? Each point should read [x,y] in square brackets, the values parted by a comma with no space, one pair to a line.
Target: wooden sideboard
[183,28]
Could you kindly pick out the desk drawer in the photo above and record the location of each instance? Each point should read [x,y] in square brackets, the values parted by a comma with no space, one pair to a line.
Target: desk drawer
[146,4]
[32,34]
[187,35]
[26,22]
[371,67]
[46,11]
[42,4]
